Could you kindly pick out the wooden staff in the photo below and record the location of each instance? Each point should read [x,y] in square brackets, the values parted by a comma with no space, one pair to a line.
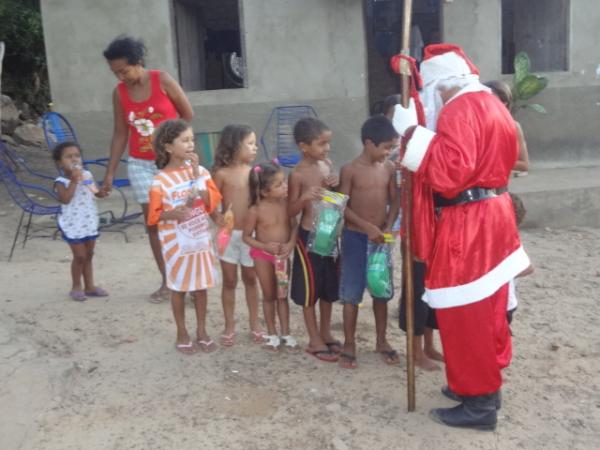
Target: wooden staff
[407,219]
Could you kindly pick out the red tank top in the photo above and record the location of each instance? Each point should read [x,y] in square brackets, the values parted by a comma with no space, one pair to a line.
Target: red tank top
[144,117]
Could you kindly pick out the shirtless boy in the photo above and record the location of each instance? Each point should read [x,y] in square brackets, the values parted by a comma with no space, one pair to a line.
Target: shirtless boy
[314,277]
[370,182]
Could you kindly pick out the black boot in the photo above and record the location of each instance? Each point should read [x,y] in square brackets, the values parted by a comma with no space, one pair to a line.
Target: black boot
[477,412]
[457,398]
[450,394]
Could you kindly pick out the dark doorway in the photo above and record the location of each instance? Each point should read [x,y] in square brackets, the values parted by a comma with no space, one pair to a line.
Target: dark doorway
[383,23]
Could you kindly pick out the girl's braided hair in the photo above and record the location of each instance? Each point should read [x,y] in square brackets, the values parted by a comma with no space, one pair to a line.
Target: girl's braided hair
[261,178]
[165,134]
[229,145]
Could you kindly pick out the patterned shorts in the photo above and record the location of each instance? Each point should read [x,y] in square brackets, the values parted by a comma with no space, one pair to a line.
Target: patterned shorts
[140,173]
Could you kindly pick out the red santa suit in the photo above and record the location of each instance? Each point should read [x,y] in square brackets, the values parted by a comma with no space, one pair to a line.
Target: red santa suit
[474,250]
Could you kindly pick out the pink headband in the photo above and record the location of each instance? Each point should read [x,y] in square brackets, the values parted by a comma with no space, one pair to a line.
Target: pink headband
[256,169]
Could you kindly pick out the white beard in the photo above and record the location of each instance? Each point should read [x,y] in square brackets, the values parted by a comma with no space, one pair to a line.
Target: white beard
[431,96]
[432,104]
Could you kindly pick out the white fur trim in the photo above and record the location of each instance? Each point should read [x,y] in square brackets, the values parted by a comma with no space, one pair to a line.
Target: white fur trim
[443,66]
[512,296]
[417,147]
[481,288]
[474,85]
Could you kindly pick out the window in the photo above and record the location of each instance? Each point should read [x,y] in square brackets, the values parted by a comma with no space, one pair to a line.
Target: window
[538,27]
[209,47]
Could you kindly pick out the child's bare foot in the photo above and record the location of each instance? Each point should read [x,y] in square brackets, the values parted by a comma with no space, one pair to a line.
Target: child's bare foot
[389,355]
[423,362]
[348,357]
[432,353]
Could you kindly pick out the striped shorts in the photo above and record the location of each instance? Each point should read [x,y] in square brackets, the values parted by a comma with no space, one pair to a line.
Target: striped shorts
[314,277]
[140,173]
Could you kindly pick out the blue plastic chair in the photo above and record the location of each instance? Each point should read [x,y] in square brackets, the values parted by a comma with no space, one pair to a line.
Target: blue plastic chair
[278,135]
[18,191]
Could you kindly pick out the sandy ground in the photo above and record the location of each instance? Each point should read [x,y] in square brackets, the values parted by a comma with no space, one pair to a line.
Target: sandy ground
[104,374]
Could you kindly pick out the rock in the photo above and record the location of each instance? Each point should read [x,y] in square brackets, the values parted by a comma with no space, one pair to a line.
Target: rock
[7,139]
[9,115]
[338,444]
[29,134]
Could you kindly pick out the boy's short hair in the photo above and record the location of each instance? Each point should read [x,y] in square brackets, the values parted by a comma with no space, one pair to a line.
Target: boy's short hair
[378,129]
[308,129]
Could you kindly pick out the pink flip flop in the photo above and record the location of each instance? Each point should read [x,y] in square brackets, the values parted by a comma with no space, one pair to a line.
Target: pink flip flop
[208,346]
[97,292]
[228,340]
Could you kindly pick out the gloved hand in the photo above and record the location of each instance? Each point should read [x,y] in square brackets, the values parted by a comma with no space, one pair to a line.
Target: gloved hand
[404,118]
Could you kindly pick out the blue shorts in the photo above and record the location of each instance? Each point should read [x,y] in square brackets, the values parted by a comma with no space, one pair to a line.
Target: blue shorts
[353,267]
[69,240]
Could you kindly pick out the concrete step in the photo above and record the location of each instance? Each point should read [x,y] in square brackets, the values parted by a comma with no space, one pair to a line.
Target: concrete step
[560,197]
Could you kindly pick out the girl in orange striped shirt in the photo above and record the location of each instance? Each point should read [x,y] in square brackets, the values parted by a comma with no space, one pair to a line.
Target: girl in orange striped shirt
[181,198]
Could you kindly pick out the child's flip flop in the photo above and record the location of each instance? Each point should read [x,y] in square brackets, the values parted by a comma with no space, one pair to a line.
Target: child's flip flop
[227,340]
[258,337]
[97,292]
[334,347]
[208,346]
[290,344]
[272,344]
[186,349]
[77,295]
[347,361]
[323,355]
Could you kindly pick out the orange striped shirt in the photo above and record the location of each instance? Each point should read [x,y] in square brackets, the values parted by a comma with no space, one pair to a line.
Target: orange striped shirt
[187,247]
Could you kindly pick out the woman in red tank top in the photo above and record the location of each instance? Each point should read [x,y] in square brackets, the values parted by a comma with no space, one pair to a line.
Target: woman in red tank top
[141,101]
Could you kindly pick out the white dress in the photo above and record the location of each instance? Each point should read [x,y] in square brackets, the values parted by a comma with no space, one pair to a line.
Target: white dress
[78,219]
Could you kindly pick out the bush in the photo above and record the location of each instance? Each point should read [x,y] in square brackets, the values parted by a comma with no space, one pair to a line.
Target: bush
[24,72]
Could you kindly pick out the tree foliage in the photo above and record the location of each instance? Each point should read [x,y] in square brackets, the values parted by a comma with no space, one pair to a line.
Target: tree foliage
[24,73]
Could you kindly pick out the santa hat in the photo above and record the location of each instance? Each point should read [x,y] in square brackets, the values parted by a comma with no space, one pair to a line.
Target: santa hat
[443,61]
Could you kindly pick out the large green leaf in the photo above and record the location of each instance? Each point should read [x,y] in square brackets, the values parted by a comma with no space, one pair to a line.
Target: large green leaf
[522,65]
[530,86]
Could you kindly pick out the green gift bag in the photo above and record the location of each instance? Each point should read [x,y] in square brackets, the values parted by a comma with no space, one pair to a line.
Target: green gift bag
[380,278]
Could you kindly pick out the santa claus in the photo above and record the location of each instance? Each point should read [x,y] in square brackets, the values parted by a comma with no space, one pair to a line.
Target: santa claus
[472,247]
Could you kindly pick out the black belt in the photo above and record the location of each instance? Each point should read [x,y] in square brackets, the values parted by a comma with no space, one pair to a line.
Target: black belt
[474,194]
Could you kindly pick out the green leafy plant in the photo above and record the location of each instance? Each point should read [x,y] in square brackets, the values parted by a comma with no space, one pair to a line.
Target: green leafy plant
[526,85]
[24,74]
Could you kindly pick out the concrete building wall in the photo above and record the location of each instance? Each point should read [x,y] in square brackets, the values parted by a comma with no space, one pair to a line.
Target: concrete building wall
[568,134]
[297,52]
[77,31]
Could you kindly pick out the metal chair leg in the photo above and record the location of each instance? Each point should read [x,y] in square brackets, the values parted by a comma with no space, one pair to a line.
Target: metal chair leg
[12,249]
[27,229]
